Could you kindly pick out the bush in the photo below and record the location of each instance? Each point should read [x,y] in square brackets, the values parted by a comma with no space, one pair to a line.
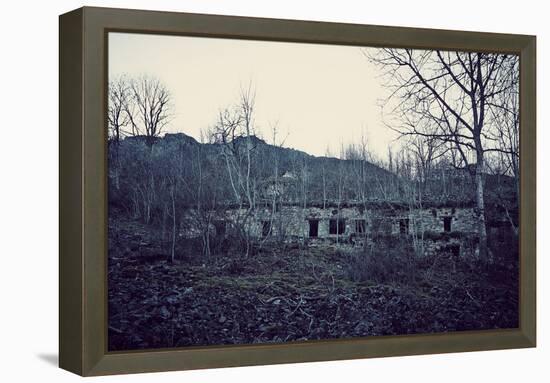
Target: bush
[442,236]
[393,264]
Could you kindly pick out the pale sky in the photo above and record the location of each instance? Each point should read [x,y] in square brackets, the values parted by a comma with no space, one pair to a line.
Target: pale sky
[320,95]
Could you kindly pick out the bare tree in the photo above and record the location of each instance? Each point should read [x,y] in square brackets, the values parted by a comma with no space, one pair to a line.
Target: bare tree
[235,132]
[148,107]
[303,176]
[505,117]
[247,104]
[141,179]
[117,115]
[446,96]
[275,188]
[225,133]
[360,177]
[341,189]
[324,177]
[117,119]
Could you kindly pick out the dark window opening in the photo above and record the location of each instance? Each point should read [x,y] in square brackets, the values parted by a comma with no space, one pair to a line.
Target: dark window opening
[404,226]
[313,228]
[220,227]
[337,226]
[453,250]
[447,223]
[360,226]
[266,228]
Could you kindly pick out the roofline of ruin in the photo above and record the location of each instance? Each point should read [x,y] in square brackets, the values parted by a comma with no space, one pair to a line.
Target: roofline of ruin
[368,205]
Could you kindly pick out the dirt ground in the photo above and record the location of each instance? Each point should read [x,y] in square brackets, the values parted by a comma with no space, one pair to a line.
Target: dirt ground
[291,295]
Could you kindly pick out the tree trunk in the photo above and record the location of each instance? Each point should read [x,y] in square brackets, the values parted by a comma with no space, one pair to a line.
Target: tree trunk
[480,204]
[206,241]
[173,252]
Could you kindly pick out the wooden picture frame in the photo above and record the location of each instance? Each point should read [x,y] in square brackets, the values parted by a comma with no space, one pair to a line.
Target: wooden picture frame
[83,190]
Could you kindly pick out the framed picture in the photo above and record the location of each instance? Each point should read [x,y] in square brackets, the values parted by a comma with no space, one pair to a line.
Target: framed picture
[241,191]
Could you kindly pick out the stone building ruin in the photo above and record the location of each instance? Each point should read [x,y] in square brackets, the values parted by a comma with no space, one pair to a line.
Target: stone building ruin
[440,228]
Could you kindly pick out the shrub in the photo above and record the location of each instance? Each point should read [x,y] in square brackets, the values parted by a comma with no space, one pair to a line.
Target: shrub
[381,264]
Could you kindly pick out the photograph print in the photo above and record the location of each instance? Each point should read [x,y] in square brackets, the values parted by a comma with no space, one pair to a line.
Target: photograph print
[266,192]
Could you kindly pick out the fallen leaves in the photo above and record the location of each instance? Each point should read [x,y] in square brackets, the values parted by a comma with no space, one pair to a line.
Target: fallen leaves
[288,296]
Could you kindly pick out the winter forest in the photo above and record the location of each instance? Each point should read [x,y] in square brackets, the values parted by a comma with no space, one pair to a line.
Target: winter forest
[233,235]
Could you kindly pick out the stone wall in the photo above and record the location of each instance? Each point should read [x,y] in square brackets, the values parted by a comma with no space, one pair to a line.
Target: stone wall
[465,246]
[295,221]
[440,229]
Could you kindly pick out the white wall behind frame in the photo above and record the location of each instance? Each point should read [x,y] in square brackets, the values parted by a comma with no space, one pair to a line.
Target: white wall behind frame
[28,158]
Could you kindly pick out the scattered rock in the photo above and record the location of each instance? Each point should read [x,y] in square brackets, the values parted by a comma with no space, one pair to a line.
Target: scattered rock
[164,313]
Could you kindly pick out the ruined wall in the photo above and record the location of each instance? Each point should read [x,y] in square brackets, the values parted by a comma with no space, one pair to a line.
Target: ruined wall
[295,221]
[465,246]
[440,229]
[433,220]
